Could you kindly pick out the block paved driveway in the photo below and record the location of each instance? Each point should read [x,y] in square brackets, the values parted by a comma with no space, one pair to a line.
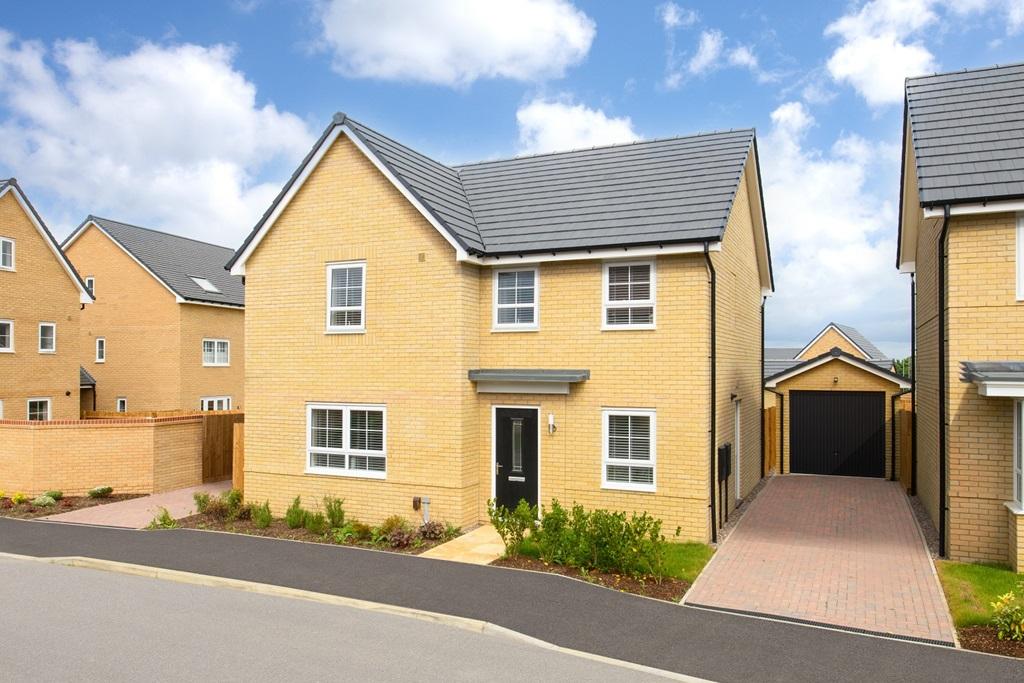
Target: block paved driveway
[843,551]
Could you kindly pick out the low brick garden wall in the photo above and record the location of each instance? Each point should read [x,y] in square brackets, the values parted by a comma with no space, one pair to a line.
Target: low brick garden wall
[132,455]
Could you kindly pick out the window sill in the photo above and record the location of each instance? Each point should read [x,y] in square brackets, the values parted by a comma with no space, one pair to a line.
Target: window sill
[47,353]
[632,488]
[8,270]
[617,328]
[100,362]
[354,330]
[338,472]
[1014,507]
[516,329]
[6,350]
[207,365]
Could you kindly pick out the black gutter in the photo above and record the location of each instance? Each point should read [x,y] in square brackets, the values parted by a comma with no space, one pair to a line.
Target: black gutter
[913,384]
[712,459]
[782,424]
[762,386]
[892,432]
[942,378]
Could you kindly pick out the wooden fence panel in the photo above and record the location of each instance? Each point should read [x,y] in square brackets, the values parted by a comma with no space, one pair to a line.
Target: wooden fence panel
[218,444]
[771,438]
[238,458]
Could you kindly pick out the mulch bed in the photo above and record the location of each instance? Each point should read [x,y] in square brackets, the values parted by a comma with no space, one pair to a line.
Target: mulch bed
[669,589]
[65,504]
[278,529]
[984,639]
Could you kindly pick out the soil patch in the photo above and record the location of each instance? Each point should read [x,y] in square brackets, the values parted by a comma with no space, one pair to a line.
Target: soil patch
[65,504]
[984,639]
[668,589]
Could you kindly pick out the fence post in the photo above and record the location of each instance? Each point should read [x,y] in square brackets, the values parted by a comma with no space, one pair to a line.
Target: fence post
[238,457]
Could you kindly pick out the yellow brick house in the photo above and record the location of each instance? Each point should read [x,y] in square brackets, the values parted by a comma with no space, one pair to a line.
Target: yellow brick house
[166,331]
[41,297]
[962,241]
[582,325]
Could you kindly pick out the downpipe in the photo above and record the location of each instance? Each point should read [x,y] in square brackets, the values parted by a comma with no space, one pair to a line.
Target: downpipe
[943,502]
[713,455]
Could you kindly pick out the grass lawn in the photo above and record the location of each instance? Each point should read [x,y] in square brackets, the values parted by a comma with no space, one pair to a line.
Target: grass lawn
[682,560]
[971,588]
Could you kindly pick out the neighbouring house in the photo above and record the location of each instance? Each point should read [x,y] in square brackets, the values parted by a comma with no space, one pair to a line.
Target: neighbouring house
[581,325]
[167,329]
[41,297]
[836,405]
[962,240]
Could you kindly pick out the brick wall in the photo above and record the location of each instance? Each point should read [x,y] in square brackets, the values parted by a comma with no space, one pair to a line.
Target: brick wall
[132,456]
[198,322]
[38,290]
[827,342]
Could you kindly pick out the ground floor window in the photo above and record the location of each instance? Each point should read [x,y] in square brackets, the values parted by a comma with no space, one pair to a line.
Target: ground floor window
[629,449]
[215,403]
[1018,452]
[39,409]
[346,439]
[122,405]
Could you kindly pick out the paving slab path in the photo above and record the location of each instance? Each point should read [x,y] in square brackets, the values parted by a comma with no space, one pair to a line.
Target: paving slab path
[713,645]
[482,545]
[137,513]
[843,551]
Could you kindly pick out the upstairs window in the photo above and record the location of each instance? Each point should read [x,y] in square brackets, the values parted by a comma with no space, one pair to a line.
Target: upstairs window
[629,295]
[6,253]
[205,284]
[90,284]
[6,336]
[38,409]
[101,350]
[216,352]
[629,449]
[515,299]
[346,439]
[47,337]
[346,289]
[122,404]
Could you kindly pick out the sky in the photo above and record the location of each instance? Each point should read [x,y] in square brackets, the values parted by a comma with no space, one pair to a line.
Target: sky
[189,116]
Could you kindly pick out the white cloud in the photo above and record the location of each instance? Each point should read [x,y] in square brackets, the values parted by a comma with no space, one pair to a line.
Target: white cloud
[455,42]
[673,16]
[743,56]
[709,51]
[832,235]
[552,125]
[166,136]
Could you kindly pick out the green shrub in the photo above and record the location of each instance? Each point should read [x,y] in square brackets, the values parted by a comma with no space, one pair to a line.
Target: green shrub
[260,515]
[163,520]
[432,531]
[316,523]
[100,492]
[56,495]
[217,508]
[451,531]
[233,501]
[512,525]
[335,510]
[295,516]
[18,497]
[393,523]
[43,501]
[361,531]
[202,499]
[1008,616]
[401,538]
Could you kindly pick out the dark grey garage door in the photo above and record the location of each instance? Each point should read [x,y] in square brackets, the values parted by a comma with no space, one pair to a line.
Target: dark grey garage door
[837,432]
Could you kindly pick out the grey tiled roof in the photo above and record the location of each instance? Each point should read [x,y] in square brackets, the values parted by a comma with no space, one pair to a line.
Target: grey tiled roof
[779,359]
[84,378]
[645,193]
[175,260]
[968,134]
[836,352]
[872,351]
[992,371]
[528,375]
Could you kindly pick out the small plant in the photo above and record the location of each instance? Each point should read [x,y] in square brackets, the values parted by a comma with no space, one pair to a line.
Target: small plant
[451,531]
[432,531]
[393,523]
[361,531]
[335,510]
[19,498]
[202,500]
[401,538]
[163,520]
[1008,616]
[233,501]
[295,516]
[217,508]
[100,492]
[512,525]
[56,495]
[316,523]
[345,534]
[43,501]
[260,514]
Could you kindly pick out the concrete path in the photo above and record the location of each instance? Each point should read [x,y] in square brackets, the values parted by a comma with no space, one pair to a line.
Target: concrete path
[482,545]
[843,551]
[137,513]
[148,629]
[573,614]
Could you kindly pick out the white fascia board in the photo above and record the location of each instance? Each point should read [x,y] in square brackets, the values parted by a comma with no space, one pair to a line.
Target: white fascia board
[972,209]
[1000,389]
[605,254]
[182,300]
[84,296]
[866,367]
[908,267]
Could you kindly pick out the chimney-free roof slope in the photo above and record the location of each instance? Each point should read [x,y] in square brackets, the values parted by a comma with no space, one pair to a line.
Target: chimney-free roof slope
[968,134]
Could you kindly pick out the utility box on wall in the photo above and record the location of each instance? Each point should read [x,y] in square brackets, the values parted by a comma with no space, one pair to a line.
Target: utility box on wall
[724,461]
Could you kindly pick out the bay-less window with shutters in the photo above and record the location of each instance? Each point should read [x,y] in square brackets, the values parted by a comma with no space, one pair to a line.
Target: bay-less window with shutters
[346,439]
[346,297]
[629,450]
[516,297]
[629,296]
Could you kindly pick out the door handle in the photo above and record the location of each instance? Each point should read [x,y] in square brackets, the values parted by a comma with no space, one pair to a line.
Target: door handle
[498,464]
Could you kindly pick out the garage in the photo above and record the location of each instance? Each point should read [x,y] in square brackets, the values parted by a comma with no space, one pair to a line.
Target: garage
[838,432]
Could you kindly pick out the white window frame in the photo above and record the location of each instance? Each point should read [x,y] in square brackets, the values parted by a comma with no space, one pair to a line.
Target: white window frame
[44,399]
[101,355]
[14,261]
[204,284]
[1,409]
[346,439]
[41,326]
[90,284]
[346,329]
[1020,257]
[606,460]
[632,303]
[210,402]
[121,405]
[1018,454]
[8,349]
[495,306]
[216,363]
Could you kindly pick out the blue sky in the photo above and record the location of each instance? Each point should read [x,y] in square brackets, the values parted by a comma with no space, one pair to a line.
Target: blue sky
[189,116]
